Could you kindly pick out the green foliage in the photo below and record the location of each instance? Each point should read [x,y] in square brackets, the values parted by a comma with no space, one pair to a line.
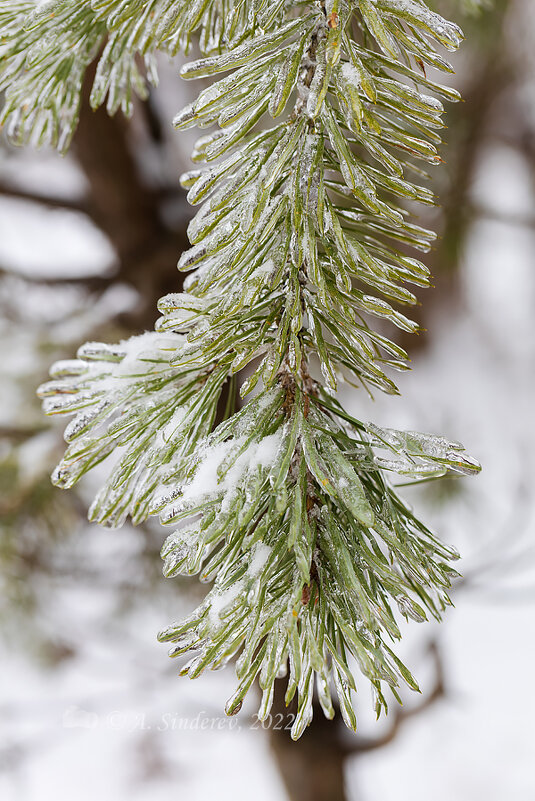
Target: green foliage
[325,120]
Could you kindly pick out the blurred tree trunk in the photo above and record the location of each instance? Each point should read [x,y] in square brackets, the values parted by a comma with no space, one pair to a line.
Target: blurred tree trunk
[312,768]
[467,129]
[490,72]
[127,210]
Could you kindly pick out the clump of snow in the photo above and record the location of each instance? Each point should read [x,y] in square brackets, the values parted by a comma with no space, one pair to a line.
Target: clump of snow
[169,430]
[221,599]
[350,74]
[117,366]
[206,479]
[264,269]
[140,350]
[258,559]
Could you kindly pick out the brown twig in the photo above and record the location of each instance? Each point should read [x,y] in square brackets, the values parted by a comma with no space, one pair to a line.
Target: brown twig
[402,714]
[50,201]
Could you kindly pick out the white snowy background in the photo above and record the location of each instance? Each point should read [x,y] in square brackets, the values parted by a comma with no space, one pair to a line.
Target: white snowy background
[115,721]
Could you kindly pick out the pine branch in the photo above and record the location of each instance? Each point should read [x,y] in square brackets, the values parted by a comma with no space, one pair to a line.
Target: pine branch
[45,53]
[324,119]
